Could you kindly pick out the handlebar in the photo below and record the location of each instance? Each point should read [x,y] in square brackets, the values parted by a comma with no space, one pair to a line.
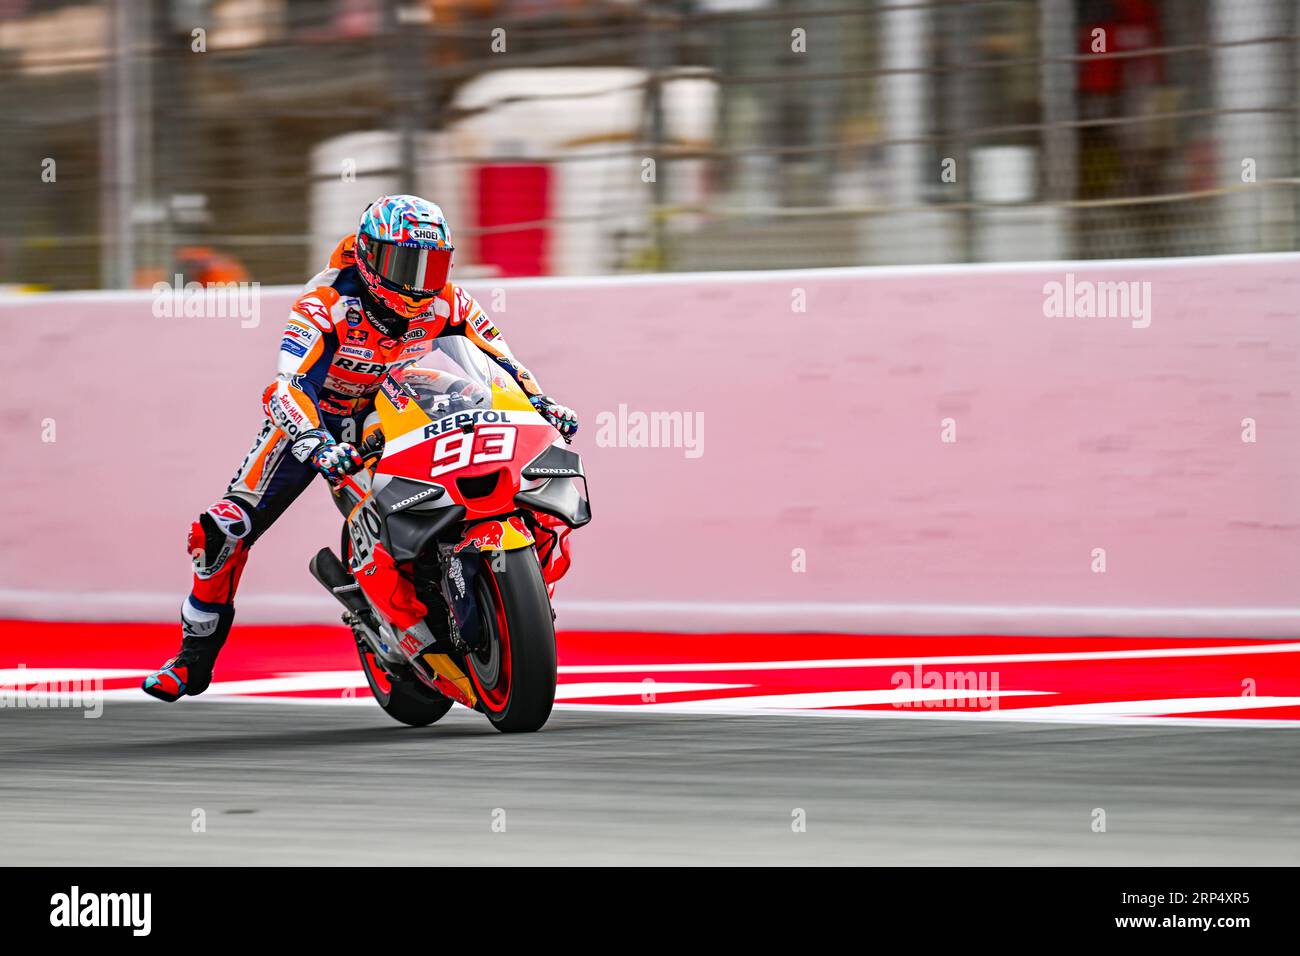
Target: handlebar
[372,446]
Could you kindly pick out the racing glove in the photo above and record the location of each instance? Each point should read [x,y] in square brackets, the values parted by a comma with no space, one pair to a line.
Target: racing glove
[562,418]
[332,459]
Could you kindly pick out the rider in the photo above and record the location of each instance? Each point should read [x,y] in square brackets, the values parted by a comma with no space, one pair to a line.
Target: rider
[384,290]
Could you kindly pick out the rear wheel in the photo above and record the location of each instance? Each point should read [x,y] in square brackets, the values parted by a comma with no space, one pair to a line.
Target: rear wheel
[406,700]
[514,673]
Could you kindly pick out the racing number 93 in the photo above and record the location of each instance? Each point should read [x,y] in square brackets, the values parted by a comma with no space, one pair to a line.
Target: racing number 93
[487,443]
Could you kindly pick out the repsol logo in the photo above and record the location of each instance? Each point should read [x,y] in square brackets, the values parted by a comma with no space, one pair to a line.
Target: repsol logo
[453,422]
[362,368]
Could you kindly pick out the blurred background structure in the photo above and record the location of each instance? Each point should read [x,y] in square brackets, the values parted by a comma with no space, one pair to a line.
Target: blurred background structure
[230,139]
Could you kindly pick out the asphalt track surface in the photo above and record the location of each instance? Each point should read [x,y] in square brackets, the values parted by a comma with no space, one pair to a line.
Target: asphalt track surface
[312,784]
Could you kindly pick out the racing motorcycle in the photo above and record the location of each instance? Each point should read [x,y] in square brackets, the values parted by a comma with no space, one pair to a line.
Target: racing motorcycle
[453,542]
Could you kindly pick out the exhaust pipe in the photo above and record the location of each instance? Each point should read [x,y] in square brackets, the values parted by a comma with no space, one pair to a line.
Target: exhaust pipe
[326,568]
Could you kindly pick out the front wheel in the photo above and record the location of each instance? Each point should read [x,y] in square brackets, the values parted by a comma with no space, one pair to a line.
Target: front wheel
[408,701]
[514,673]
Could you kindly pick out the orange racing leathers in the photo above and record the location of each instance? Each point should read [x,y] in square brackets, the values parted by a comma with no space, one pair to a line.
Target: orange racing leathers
[337,347]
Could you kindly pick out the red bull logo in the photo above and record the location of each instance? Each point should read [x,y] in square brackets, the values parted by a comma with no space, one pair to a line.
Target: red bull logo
[395,394]
[488,534]
[499,536]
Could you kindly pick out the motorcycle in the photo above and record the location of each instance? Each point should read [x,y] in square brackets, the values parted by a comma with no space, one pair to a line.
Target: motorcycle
[453,541]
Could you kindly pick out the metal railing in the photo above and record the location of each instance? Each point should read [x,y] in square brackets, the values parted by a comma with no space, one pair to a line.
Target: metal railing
[811,133]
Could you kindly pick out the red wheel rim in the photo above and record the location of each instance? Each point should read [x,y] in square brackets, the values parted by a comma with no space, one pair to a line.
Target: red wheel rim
[497,697]
[379,679]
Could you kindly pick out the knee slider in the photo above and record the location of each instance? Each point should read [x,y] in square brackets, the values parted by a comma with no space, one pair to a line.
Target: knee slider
[217,535]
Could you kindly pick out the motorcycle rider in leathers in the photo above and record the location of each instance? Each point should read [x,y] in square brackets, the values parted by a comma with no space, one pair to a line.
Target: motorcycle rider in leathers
[385,287]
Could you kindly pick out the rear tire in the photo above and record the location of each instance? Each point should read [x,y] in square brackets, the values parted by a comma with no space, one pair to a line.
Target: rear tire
[514,677]
[408,701]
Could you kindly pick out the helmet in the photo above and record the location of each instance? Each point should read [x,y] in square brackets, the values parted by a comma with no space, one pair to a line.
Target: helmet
[404,252]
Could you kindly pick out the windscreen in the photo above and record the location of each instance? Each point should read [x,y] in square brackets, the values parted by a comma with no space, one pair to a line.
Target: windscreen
[451,378]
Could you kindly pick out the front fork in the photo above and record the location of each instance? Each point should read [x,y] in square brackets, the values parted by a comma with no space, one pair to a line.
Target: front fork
[402,615]
[462,563]
[459,573]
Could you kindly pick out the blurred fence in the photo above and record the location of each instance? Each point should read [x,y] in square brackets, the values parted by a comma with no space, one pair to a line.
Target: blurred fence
[231,138]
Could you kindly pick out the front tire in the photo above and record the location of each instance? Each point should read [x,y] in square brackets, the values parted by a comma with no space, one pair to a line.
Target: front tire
[514,676]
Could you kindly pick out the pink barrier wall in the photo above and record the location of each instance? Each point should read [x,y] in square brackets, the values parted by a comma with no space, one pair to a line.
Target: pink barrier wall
[821,432]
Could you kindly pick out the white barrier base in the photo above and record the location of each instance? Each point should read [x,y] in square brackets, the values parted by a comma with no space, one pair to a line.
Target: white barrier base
[705,617]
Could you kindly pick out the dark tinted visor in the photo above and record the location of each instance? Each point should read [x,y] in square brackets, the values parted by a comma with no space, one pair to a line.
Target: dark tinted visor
[414,269]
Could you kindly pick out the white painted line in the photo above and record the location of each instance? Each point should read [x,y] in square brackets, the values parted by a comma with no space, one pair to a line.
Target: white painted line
[18,676]
[290,683]
[133,695]
[1289,647]
[1169,705]
[1017,715]
[836,698]
[342,680]
[635,688]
